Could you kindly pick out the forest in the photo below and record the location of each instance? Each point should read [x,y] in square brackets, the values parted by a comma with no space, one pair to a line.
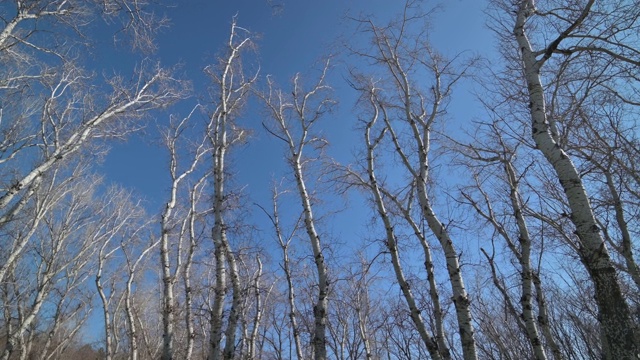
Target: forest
[511,235]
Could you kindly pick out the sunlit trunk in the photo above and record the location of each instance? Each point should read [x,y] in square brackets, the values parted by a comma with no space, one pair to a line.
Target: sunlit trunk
[619,340]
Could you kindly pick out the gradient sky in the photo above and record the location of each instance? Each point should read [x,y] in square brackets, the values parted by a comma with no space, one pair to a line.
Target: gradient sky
[292,40]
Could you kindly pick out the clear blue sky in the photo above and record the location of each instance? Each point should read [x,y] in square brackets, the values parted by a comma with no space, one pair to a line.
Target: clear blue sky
[291,41]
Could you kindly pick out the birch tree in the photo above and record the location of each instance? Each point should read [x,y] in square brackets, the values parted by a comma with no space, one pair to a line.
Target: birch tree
[194,235]
[134,259]
[363,303]
[171,256]
[123,216]
[255,296]
[50,112]
[230,87]
[410,111]
[572,31]
[604,143]
[57,249]
[495,157]
[284,242]
[52,296]
[293,118]
[373,136]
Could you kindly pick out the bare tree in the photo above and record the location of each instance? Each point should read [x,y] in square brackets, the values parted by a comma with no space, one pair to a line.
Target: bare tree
[604,144]
[49,256]
[195,236]
[435,344]
[355,318]
[230,89]
[284,241]
[410,111]
[294,118]
[121,220]
[495,157]
[579,33]
[251,338]
[172,272]
[138,23]
[50,112]
[134,256]
[53,292]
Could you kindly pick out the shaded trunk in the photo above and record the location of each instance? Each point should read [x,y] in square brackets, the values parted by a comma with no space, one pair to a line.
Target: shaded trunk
[432,346]
[619,340]
[319,340]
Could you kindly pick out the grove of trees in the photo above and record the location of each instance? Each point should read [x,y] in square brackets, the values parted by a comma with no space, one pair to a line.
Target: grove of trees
[512,236]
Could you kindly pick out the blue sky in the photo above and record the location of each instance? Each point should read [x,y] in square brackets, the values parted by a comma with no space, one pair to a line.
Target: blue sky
[293,40]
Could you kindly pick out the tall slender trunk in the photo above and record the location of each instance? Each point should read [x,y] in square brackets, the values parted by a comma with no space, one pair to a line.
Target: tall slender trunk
[543,320]
[286,266]
[619,338]
[128,299]
[128,307]
[421,130]
[186,274]
[319,340]
[460,297]
[291,298]
[432,346]
[220,290]
[252,339]
[221,132]
[438,314]
[168,282]
[218,139]
[236,304]
[169,275]
[188,303]
[419,118]
[294,130]
[524,258]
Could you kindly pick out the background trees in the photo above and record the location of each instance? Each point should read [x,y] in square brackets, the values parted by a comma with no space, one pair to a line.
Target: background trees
[508,231]
[294,119]
[582,38]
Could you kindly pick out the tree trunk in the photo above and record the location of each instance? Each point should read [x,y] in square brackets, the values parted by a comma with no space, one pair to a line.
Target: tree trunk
[432,346]
[619,340]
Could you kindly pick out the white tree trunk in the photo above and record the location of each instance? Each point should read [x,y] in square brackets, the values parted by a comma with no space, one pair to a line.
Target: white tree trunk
[186,274]
[132,266]
[294,131]
[432,345]
[524,258]
[253,337]
[106,315]
[619,340]
[171,273]
[232,87]
[286,267]
[320,308]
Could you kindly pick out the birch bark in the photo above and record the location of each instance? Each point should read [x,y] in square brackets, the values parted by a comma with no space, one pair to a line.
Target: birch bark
[432,345]
[409,111]
[619,337]
[294,119]
[231,88]
[170,273]
[284,242]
